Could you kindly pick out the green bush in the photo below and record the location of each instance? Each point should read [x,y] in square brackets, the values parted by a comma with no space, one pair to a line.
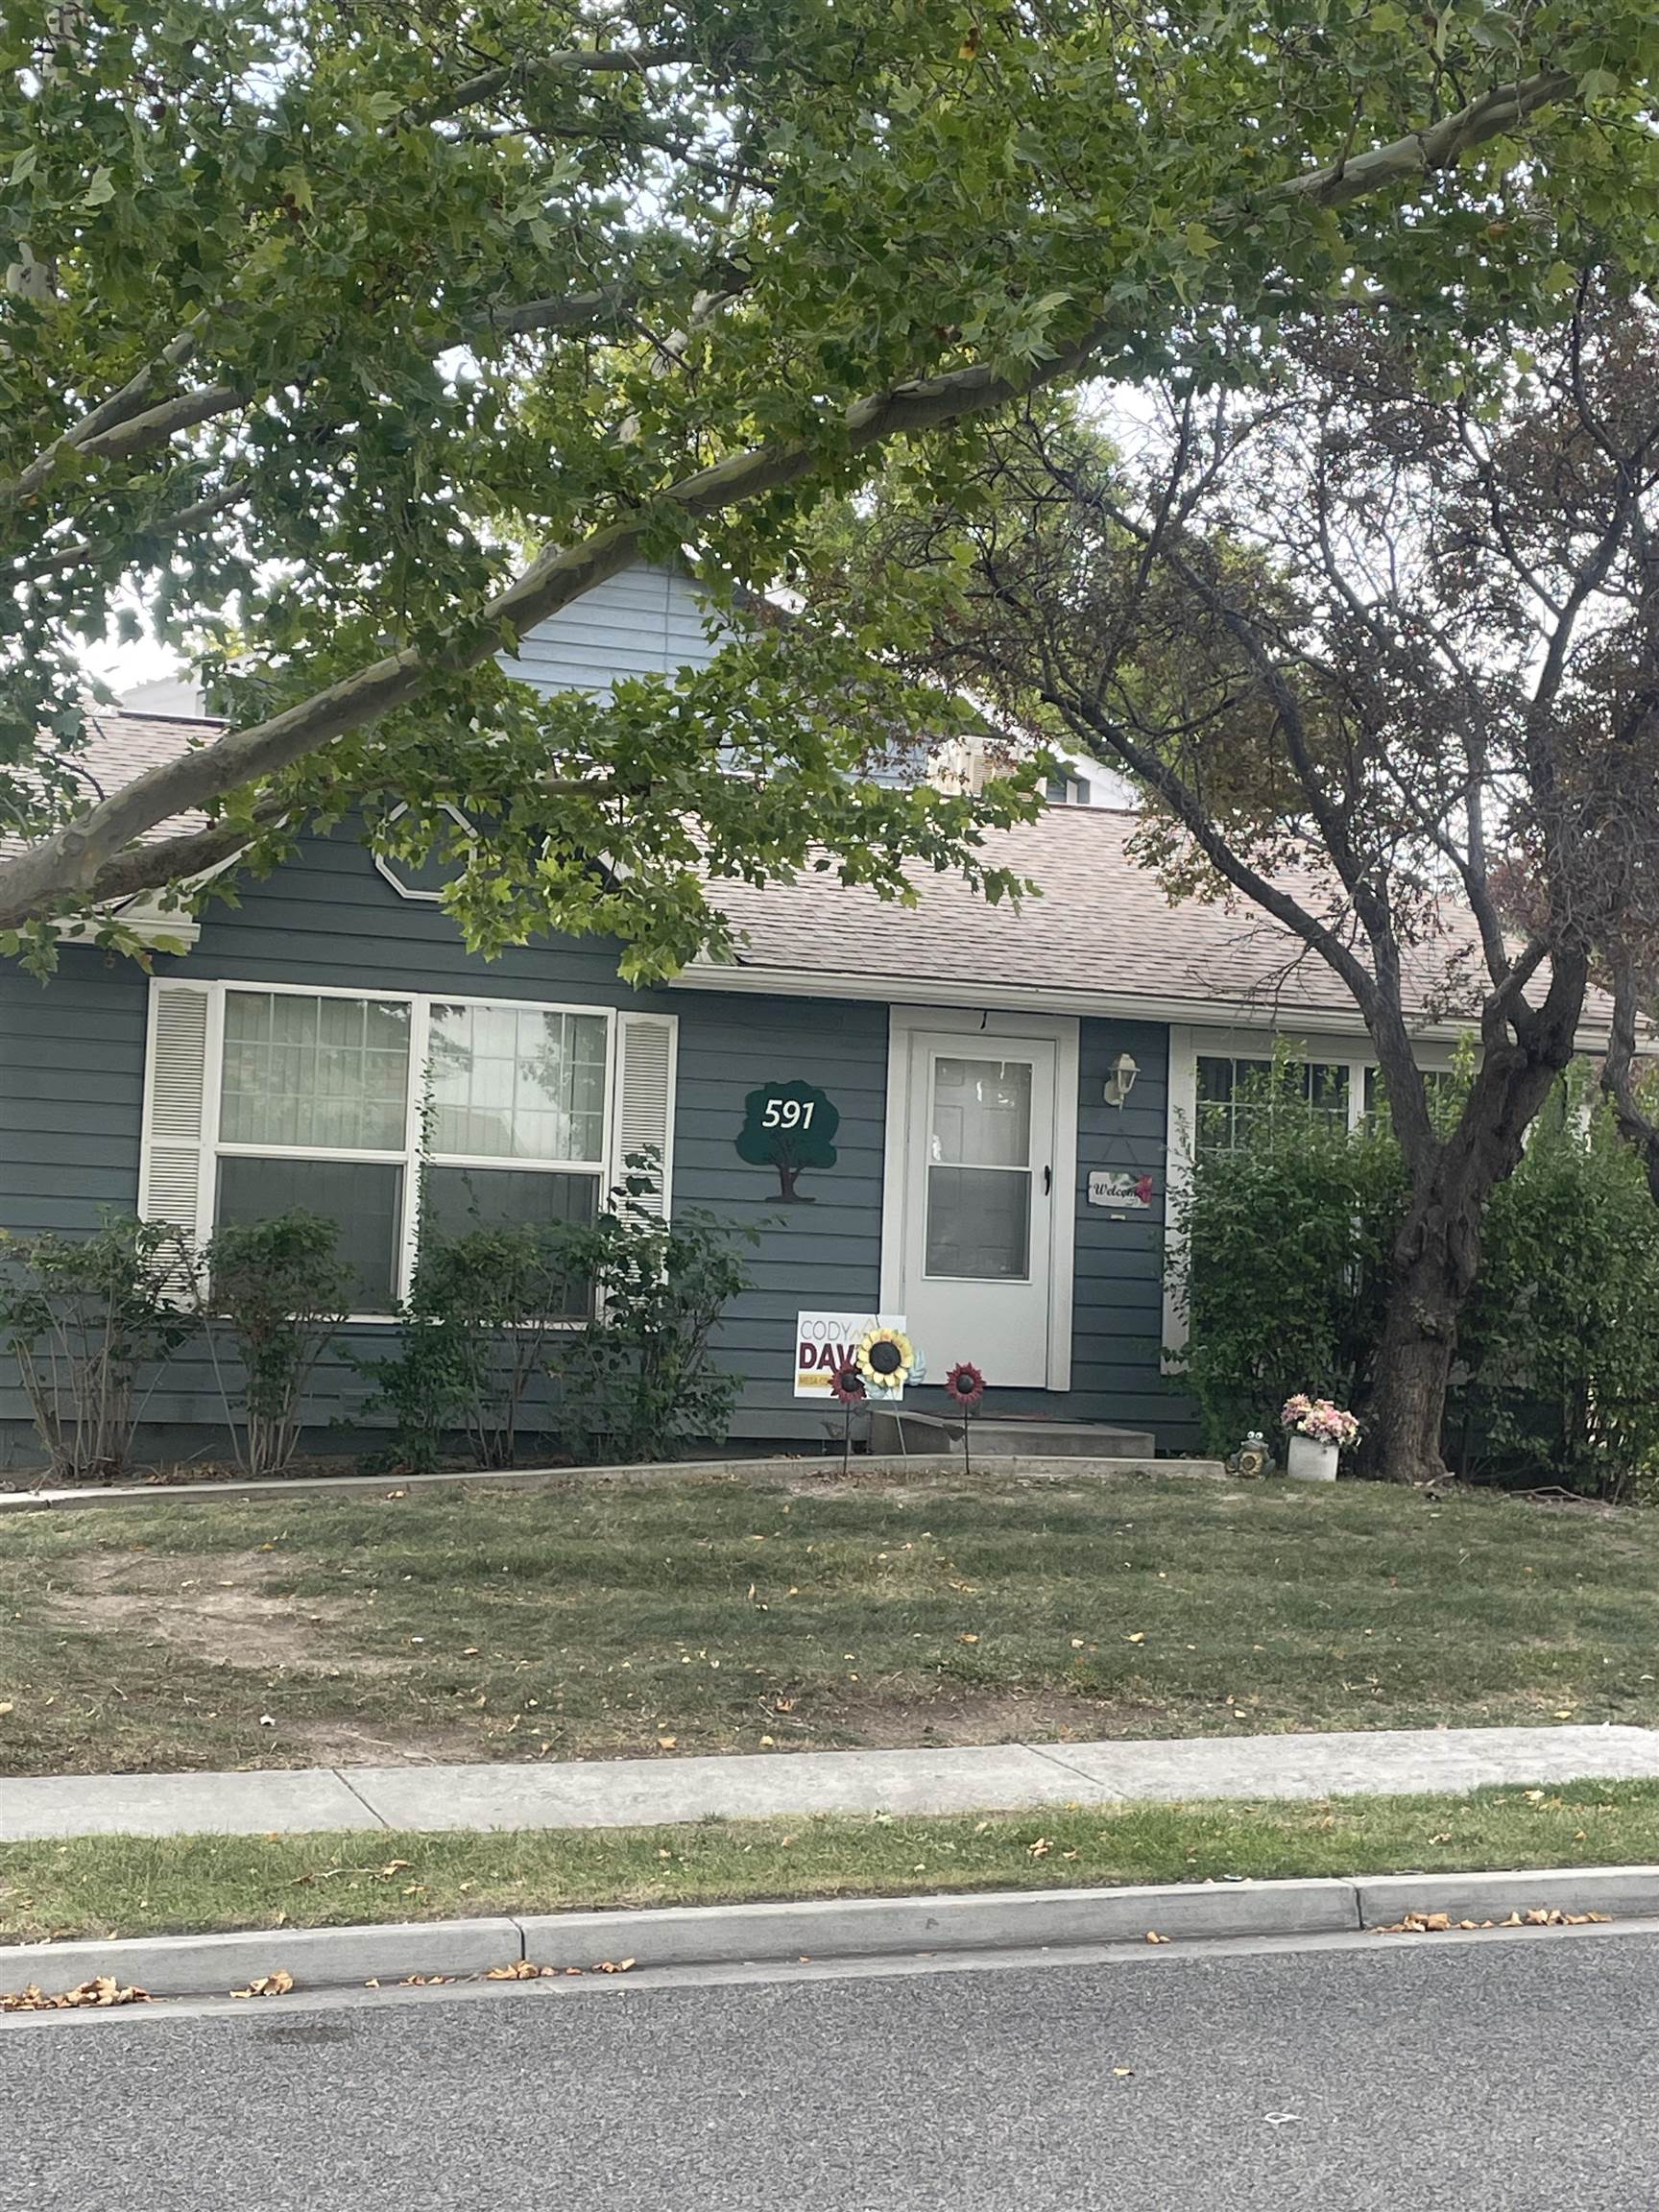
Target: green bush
[277,1290]
[473,1336]
[639,1379]
[84,1317]
[1285,1250]
[1559,1349]
[615,1313]
[1284,1274]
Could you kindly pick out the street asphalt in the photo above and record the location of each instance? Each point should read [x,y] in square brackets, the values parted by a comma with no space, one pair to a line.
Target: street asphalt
[1420,2076]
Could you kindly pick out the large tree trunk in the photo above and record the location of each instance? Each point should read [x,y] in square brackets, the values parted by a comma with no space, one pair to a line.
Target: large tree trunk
[1435,1260]
[1437,1250]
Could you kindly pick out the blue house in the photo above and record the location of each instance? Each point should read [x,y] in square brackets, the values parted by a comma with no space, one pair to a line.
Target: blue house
[1017,1089]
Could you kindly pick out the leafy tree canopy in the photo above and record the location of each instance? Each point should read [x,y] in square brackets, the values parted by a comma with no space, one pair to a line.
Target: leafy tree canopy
[367,337]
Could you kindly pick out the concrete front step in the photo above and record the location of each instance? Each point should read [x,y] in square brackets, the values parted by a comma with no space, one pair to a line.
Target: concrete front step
[900,1429]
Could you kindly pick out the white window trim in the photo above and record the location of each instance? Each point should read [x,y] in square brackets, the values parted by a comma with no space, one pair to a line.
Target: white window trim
[412,891]
[1063,1031]
[609,1169]
[1188,1046]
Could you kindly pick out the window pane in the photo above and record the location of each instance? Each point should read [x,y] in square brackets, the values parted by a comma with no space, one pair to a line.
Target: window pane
[456,1200]
[363,1199]
[1328,1089]
[1237,1095]
[981,1113]
[512,1083]
[980,1223]
[330,1072]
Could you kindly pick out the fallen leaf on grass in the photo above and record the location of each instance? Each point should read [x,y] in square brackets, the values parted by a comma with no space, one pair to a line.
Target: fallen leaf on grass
[102,1991]
[277,1985]
[1040,1848]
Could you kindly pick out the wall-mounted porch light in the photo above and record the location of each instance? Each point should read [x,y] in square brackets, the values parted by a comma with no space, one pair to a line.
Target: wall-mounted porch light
[1122,1080]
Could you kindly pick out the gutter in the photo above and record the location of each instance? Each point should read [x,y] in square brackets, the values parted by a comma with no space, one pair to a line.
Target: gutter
[1216,1013]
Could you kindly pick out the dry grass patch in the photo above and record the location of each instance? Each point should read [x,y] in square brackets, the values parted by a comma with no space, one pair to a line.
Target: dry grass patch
[715,1616]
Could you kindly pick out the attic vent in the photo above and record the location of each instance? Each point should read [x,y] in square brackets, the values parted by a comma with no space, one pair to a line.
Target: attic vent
[1068,791]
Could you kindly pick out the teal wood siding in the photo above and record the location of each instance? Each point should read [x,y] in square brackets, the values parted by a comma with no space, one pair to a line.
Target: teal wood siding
[825,1252]
[71,1093]
[72,1078]
[71,1088]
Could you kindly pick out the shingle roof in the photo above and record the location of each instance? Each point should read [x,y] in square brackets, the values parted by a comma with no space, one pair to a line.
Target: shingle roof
[120,746]
[1102,929]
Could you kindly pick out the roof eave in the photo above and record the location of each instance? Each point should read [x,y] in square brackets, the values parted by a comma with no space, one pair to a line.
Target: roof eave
[1207,1013]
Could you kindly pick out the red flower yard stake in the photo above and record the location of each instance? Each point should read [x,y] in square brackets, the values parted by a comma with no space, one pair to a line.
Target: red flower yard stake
[846,1389]
[965,1387]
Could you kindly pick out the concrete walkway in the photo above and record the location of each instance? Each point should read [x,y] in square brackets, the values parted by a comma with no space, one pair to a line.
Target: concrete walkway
[632,1792]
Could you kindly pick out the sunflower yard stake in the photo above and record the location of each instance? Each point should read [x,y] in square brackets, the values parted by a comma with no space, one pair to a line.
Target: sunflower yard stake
[885,1359]
[965,1387]
[846,1389]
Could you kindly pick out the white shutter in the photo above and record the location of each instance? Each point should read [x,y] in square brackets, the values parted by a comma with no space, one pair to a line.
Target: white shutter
[644,1117]
[170,1168]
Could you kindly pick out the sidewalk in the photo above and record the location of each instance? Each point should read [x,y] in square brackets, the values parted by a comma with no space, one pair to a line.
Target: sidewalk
[640,1792]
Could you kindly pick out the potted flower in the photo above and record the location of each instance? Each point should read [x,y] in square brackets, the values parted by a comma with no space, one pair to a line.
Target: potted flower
[1319,1432]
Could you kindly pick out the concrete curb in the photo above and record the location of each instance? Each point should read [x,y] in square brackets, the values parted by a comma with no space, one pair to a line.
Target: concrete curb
[823,1930]
[1021,1467]
[1624,1893]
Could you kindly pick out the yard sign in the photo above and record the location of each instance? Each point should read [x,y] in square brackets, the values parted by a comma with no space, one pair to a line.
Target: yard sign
[826,1342]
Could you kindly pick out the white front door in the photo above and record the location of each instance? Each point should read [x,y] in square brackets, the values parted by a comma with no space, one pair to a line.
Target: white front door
[980,1194]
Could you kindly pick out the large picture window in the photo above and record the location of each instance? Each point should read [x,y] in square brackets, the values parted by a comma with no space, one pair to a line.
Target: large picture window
[393,1115]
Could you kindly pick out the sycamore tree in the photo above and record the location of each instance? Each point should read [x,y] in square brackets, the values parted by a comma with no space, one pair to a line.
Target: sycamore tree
[1380,643]
[342,343]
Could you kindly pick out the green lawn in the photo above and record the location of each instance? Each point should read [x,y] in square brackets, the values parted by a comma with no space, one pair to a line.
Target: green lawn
[704,1616]
[130,1886]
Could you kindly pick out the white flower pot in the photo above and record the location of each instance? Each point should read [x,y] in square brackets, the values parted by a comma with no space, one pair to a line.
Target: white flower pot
[1308,1460]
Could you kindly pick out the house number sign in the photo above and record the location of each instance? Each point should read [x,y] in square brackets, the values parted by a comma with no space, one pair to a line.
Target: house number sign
[790,1126]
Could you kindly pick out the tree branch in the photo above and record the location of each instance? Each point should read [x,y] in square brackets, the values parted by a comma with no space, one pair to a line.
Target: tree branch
[1439,146]
[1185,805]
[75,860]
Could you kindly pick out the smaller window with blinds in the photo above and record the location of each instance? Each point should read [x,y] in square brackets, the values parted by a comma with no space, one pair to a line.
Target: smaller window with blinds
[1235,1094]
[393,1115]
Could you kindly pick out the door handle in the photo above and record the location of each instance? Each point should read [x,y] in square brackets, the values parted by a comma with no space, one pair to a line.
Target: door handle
[1048,1181]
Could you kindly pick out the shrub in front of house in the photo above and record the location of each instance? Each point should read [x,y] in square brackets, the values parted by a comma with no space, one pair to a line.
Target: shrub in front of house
[270,1296]
[605,1327]
[1289,1232]
[1286,1231]
[1560,1347]
[91,1322]
[473,1336]
[640,1380]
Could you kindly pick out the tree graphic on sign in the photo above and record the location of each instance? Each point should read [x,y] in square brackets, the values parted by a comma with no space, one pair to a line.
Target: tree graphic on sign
[790,1126]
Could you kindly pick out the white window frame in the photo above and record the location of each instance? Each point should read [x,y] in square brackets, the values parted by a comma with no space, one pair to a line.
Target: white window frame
[1188,1046]
[412,1156]
[412,891]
